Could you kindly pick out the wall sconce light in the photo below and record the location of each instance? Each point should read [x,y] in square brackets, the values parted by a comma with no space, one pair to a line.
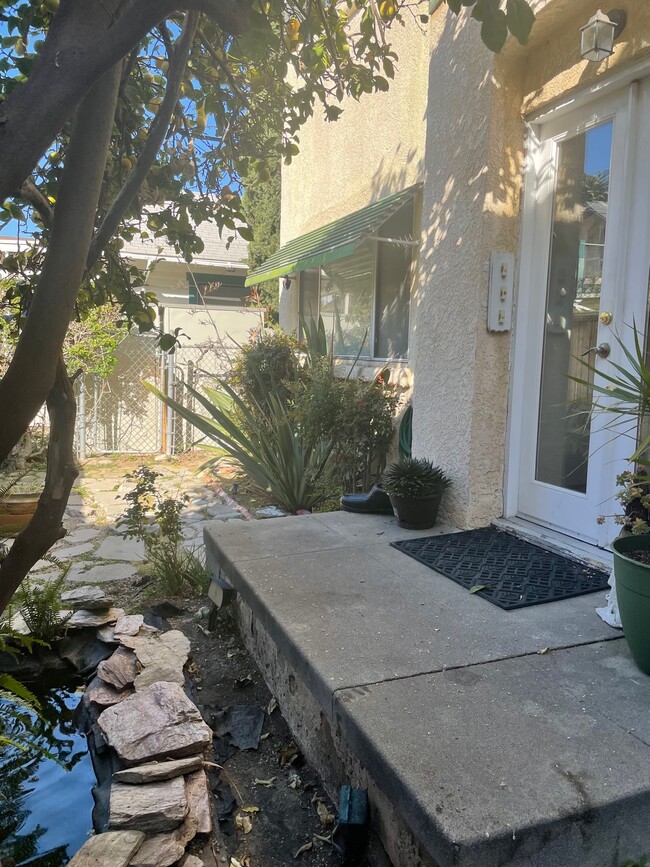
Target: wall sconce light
[598,35]
[286,283]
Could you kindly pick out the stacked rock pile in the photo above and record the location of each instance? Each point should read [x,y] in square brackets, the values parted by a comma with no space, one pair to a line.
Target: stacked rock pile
[146,739]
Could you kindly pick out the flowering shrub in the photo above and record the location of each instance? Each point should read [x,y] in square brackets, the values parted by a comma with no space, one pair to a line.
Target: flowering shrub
[634,497]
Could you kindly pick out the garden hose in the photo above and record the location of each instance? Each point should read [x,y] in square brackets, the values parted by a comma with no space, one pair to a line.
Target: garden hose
[406,433]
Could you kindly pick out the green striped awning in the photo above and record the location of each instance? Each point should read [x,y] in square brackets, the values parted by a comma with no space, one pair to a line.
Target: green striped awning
[332,241]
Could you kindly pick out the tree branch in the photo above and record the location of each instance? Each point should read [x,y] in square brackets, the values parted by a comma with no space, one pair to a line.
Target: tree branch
[159,127]
[46,526]
[31,193]
[82,44]
[31,372]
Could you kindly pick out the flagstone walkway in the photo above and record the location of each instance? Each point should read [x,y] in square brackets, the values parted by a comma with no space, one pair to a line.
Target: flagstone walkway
[99,552]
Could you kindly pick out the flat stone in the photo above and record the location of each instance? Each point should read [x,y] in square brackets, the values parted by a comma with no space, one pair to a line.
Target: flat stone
[83,652]
[162,658]
[107,635]
[103,695]
[92,619]
[99,574]
[150,808]
[87,597]
[164,850]
[119,548]
[114,848]
[18,624]
[155,772]
[199,801]
[130,624]
[120,669]
[191,861]
[80,534]
[73,551]
[157,722]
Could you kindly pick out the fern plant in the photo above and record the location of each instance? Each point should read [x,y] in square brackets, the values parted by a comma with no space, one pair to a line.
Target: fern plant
[20,705]
[40,605]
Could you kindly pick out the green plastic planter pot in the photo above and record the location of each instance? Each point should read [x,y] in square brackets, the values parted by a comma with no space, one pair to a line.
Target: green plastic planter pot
[633,594]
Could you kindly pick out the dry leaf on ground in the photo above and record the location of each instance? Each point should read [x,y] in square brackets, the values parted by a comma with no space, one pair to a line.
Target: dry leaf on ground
[306,848]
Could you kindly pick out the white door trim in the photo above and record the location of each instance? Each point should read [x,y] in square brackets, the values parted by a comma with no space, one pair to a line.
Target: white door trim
[534,252]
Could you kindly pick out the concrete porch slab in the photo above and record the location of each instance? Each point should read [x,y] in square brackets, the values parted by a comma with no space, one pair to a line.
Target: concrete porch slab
[491,752]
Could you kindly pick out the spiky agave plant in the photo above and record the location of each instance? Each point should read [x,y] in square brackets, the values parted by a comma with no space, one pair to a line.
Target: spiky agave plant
[414,477]
[272,453]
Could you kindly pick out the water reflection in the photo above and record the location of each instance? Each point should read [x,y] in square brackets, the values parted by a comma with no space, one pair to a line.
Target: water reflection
[45,791]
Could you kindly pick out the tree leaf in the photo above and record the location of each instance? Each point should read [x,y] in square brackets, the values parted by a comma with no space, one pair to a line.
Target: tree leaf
[306,848]
[477,587]
[494,31]
[520,18]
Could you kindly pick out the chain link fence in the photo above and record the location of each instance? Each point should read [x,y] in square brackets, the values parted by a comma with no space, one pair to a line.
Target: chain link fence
[118,414]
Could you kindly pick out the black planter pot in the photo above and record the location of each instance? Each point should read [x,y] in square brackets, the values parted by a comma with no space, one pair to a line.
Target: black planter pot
[416,513]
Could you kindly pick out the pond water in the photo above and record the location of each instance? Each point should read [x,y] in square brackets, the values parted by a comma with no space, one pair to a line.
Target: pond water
[46,802]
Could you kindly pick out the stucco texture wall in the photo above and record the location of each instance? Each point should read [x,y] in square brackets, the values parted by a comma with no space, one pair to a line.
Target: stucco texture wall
[376,147]
[471,206]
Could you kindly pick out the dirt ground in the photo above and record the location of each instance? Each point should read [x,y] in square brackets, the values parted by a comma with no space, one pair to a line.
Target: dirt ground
[287,817]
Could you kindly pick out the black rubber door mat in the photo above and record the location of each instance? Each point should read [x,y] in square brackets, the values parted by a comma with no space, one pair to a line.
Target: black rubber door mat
[510,572]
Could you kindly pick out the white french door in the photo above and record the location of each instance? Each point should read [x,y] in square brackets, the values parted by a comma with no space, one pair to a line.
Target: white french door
[585,261]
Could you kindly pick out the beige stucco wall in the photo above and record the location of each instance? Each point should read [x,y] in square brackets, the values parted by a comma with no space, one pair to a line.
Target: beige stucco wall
[472,195]
[453,118]
[375,148]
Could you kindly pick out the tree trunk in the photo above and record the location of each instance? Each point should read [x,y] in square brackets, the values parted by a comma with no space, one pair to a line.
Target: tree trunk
[30,375]
[46,526]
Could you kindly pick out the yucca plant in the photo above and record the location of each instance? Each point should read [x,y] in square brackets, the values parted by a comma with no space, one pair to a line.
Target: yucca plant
[414,477]
[262,440]
[627,389]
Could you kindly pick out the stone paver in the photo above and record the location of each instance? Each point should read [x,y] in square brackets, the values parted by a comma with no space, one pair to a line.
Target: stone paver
[118,548]
[98,574]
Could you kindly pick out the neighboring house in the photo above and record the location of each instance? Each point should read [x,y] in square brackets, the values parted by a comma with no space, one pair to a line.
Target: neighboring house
[523,177]
[206,298]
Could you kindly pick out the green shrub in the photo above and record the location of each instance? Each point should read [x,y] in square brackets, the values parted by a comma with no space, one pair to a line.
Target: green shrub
[155,519]
[355,415]
[265,366]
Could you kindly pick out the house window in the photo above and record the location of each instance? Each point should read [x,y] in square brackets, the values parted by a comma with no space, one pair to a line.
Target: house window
[364,299]
[217,290]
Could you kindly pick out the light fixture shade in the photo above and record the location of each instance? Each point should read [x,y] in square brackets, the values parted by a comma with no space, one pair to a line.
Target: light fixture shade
[597,38]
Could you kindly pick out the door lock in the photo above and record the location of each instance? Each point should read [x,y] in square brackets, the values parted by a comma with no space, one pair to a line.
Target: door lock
[602,350]
[606,317]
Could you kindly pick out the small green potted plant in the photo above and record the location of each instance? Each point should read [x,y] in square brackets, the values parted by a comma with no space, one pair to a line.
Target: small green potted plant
[415,487]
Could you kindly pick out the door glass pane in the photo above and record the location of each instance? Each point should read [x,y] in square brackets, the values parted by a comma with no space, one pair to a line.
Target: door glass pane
[572,305]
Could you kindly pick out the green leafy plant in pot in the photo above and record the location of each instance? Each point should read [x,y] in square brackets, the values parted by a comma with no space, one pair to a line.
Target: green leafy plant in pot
[627,409]
[415,487]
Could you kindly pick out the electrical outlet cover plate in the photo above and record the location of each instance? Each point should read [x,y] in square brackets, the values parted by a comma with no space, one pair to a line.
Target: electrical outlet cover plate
[500,293]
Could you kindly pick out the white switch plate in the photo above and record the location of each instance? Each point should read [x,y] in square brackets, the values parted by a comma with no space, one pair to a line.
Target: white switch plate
[502,281]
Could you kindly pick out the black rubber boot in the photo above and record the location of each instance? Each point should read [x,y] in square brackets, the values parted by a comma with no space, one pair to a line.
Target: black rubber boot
[375,502]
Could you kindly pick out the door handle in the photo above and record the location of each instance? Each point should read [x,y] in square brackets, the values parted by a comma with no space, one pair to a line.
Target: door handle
[602,350]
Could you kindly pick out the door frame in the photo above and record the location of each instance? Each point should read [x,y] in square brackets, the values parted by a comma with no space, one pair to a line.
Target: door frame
[537,203]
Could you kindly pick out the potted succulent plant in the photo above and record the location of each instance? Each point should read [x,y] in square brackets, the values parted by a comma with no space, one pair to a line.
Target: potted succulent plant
[415,487]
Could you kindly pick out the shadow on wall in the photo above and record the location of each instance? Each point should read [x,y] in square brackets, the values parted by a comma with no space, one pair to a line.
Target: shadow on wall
[472,171]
